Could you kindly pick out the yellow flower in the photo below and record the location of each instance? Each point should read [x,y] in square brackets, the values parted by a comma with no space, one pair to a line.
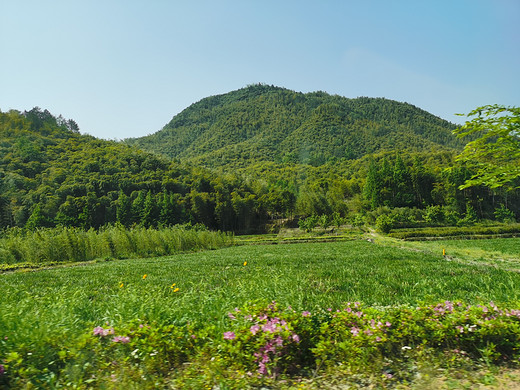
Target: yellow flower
[144,276]
[121,285]
[176,289]
[173,285]
[245,263]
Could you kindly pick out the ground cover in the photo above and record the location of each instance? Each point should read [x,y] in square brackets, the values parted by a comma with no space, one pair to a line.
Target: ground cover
[48,317]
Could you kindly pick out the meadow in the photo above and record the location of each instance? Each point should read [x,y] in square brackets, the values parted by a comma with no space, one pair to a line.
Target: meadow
[48,316]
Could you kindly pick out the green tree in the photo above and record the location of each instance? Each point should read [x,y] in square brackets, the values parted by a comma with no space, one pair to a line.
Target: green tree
[37,219]
[123,211]
[371,190]
[494,151]
[150,214]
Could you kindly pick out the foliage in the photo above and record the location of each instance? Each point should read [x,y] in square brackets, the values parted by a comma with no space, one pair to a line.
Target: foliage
[270,345]
[385,223]
[503,214]
[136,323]
[50,175]
[494,149]
[69,244]
[458,231]
[266,123]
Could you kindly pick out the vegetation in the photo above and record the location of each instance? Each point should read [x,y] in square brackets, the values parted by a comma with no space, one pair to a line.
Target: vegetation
[496,151]
[263,123]
[51,176]
[207,318]
[44,246]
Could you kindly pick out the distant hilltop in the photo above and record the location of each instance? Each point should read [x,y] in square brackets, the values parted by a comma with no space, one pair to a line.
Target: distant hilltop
[269,123]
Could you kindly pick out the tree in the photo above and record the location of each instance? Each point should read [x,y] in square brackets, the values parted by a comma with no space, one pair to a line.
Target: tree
[494,152]
[124,210]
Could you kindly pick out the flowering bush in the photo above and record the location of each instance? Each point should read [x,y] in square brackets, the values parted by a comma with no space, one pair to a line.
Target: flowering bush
[266,343]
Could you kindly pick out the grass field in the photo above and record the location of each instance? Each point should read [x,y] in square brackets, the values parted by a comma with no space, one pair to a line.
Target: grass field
[51,307]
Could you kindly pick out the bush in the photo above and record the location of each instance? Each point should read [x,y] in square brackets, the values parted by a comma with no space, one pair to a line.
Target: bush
[434,214]
[261,345]
[385,223]
[503,214]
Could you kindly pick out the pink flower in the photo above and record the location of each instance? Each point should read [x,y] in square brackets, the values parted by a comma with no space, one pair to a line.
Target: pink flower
[230,315]
[378,339]
[354,331]
[254,329]
[121,339]
[388,324]
[229,335]
[269,327]
[98,330]
[296,338]
[306,313]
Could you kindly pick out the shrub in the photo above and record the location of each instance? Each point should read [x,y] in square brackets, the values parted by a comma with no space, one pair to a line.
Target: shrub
[434,214]
[385,223]
[503,214]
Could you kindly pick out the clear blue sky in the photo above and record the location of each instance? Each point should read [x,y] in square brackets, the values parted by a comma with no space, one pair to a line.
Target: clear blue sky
[125,68]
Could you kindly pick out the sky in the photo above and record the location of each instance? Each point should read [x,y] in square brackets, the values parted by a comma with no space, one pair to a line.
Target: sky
[124,68]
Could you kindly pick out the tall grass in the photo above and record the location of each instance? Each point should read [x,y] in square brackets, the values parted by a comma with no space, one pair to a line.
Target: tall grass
[72,245]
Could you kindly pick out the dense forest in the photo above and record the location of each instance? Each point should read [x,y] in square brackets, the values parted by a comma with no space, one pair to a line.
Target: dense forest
[52,175]
[266,123]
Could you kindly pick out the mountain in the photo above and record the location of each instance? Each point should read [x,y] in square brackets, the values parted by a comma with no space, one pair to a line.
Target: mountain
[267,123]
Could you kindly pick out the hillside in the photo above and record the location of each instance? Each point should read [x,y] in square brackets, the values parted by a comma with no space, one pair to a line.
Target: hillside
[266,123]
[51,175]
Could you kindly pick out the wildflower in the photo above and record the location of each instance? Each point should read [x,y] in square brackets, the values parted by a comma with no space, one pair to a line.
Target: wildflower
[230,315]
[388,324]
[229,335]
[254,329]
[306,313]
[144,276]
[406,347]
[354,331]
[173,285]
[378,339]
[296,338]
[98,330]
[245,263]
[121,285]
[121,339]
[460,328]
[269,327]
[176,289]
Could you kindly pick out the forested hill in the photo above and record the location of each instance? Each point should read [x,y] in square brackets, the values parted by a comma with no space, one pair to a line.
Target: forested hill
[267,123]
[51,175]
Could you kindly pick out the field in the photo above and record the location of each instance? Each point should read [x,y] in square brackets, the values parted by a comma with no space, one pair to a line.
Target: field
[44,313]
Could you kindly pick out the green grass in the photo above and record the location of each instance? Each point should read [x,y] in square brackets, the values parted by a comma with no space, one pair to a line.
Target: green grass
[213,282]
[51,307]
[503,253]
